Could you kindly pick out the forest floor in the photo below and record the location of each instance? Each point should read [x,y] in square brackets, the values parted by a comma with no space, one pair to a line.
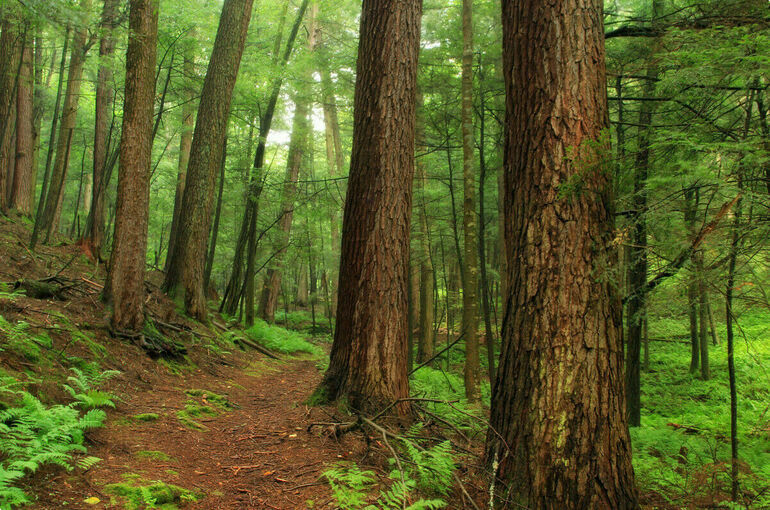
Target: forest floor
[218,429]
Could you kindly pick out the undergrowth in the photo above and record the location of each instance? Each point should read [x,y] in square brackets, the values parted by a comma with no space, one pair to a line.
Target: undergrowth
[279,339]
[420,479]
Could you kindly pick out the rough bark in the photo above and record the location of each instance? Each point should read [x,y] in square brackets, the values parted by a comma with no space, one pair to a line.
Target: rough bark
[125,281]
[558,402]
[22,192]
[55,195]
[217,216]
[187,265]
[368,358]
[10,55]
[93,237]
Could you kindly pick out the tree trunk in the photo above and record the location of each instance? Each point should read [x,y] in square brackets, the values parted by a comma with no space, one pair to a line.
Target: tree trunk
[10,56]
[295,160]
[217,216]
[22,194]
[471,266]
[93,237]
[691,204]
[51,139]
[426,343]
[734,247]
[185,142]
[187,265]
[703,318]
[559,400]
[368,358]
[55,195]
[125,281]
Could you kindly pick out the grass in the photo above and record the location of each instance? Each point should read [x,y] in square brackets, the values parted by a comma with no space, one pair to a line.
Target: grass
[280,340]
[682,449]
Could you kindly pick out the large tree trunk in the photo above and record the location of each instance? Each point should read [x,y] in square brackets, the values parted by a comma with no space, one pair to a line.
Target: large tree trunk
[55,195]
[125,280]
[9,65]
[22,192]
[94,234]
[368,358]
[185,142]
[559,400]
[187,266]
[295,159]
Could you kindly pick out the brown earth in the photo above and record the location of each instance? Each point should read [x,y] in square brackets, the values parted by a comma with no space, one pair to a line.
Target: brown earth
[256,454]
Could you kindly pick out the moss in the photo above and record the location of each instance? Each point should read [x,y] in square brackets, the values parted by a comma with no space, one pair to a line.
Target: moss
[210,397]
[155,495]
[145,417]
[153,455]
[194,410]
[259,368]
[319,397]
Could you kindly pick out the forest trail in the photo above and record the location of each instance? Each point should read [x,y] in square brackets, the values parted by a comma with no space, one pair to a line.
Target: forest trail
[257,454]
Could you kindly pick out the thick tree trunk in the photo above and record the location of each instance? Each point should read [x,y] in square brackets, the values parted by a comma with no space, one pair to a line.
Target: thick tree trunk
[185,142]
[10,54]
[93,237]
[22,193]
[559,401]
[187,265]
[368,358]
[125,280]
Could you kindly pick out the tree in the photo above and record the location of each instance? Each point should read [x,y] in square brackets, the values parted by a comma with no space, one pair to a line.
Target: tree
[558,403]
[125,281]
[55,195]
[22,191]
[470,226]
[368,358]
[187,266]
[93,236]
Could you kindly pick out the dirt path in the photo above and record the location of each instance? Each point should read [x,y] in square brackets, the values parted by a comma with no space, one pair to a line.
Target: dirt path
[255,455]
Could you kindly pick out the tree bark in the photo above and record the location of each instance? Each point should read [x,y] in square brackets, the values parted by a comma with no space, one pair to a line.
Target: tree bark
[10,60]
[368,358]
[55,195]
[22,193]
[93,237]
[691,205]
[559,400]
[187,265]
[217,215]
[703,317]
[125,281]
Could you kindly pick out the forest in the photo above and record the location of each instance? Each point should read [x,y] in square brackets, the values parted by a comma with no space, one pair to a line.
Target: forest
[385,254]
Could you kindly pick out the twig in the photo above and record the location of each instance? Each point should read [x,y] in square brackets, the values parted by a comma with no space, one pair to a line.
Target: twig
[439,353]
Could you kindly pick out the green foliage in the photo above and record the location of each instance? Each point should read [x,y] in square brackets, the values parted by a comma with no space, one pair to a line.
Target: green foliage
[145,417]
[298,319]
[210,397]
[447,386]
[20,341]
[82,389]
[279,339]
[154,495]
[424,471]
[153,455]
[35,435]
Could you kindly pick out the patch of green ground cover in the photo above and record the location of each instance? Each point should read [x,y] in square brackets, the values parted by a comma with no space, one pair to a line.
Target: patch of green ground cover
[210,405]
[210,397]
[138,494]
[153,455]
[682,448]
[279,339]
[298,319]
[261,367]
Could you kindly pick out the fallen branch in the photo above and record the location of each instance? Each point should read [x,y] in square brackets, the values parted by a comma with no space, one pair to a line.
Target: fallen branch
[264,350]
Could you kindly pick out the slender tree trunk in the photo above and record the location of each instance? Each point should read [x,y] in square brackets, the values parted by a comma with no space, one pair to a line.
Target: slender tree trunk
[217,215]
[558,402]
[125,280]
[691,205]
[703,317]
[470,226]
[52,138]
[185,143]
[22,194]
[295,160]
[55,195]
[93,237]
[187,265]
[426,345]
[368,358]
[38,109]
